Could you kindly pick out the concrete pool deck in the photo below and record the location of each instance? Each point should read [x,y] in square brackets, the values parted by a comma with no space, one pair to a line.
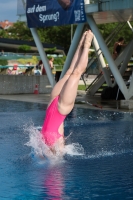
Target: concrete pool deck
[80,101]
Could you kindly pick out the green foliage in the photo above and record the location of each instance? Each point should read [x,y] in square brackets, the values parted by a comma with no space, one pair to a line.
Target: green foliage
[24,48]
[125,32]
[81,87]
[59,61]
[33,60]
[58,68]
[61,35]
[4,34]
[51,50]
[3,62]
[20,31]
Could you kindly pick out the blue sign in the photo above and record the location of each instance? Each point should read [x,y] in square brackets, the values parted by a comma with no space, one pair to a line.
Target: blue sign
[44,13]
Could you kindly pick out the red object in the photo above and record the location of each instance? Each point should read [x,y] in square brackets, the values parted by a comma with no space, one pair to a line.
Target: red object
[15,66]
[95,105]
[98,106]
[36,89]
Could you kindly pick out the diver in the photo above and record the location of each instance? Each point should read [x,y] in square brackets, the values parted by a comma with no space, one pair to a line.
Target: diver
[63,96]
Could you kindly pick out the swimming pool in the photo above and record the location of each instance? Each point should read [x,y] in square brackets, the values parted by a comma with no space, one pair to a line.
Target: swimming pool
[97,166]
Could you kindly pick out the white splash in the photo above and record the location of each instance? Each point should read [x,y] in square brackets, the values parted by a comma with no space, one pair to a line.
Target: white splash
[42,151]
[74,149]
[36,142]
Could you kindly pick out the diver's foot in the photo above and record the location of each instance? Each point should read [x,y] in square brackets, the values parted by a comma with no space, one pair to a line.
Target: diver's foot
[88,39]
[81,43]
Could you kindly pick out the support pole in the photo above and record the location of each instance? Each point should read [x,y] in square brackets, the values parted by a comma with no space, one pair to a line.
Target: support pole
[131,85]
[121,57]
[128,55]
[71,32]
[73,47]
[102,62]
[108,56]
[130,25]
[43,56]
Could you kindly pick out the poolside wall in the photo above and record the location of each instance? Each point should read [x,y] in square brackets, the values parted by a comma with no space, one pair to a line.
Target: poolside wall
[13,84]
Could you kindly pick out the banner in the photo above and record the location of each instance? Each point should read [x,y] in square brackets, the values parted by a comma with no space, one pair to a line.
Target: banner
[44,13]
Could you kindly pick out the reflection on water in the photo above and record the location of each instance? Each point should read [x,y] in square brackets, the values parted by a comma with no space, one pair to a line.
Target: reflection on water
[97,163]
[54,183]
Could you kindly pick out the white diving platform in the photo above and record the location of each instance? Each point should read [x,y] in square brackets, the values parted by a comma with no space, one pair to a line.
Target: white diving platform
[109,11]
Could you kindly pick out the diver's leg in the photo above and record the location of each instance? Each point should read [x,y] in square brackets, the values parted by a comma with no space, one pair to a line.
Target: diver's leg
[69,91]
[58,87]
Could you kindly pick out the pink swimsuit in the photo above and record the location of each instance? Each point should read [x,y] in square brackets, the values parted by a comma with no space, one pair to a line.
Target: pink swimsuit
[52,122]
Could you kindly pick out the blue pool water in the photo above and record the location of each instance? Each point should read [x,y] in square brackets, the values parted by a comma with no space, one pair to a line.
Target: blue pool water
[98,164]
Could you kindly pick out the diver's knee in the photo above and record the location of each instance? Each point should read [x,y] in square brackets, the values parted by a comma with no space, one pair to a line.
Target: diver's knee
[69,72]
[78,71]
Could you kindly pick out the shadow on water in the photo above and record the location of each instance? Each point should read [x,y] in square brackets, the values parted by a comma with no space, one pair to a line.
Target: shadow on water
[97,163]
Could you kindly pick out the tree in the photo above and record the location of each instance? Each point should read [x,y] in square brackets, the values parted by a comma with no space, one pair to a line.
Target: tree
[125,32]
[4,34]
[3,62]
[61,35]
[19,30]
